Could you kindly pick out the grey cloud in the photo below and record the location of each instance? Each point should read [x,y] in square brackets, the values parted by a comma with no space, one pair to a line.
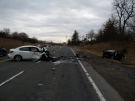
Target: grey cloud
[54,17]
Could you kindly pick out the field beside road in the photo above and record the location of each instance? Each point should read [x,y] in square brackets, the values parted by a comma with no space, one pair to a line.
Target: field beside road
[127,47]
[11,43]
[119,76]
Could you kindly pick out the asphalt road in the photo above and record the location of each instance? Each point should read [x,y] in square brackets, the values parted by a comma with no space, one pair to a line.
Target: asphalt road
[62,80]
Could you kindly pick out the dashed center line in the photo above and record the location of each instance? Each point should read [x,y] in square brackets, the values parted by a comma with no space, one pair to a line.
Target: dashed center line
[38,61]
[1,84]
[15,76]
[11,78]
[58,49]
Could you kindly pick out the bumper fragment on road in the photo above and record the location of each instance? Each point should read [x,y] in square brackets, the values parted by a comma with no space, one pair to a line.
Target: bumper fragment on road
[38,61]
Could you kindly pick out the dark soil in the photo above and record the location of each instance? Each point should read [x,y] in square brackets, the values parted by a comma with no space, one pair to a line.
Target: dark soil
[119,76]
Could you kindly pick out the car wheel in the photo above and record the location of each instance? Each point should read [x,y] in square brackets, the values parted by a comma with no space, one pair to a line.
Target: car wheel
[4,54]
[18,58]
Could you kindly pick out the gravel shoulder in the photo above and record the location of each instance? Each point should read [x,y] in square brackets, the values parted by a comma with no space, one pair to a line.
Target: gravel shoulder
[119,76]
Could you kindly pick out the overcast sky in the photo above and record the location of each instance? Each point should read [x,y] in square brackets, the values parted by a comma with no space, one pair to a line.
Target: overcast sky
[53,20]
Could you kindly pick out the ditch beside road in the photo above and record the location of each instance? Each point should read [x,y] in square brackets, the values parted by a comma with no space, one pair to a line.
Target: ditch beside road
[119,76]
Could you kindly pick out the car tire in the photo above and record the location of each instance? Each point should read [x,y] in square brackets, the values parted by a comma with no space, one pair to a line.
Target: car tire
[4,54]
[18,58]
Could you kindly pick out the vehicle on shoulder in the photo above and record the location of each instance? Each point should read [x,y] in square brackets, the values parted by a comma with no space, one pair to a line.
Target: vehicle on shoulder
[3,51]
[113,54]
[28,52]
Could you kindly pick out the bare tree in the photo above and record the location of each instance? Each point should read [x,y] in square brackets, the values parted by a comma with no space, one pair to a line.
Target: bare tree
[124,11]
[15,35]
[23,37]
[6,31]
[132,27]
[91,35]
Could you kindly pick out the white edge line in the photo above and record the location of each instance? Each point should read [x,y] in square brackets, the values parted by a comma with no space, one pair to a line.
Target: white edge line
[11,78]
[101,97]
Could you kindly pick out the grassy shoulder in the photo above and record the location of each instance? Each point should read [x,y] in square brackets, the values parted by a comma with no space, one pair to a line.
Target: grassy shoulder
[98,48]
[11,43]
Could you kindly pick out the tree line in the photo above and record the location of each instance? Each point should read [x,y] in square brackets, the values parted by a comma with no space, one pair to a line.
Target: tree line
[22,36]
[119,27]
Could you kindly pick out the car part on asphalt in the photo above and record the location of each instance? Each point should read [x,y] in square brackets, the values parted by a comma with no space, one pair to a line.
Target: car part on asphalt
[66,59]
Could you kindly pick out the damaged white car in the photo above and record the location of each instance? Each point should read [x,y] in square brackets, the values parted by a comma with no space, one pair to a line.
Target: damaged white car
[28,52]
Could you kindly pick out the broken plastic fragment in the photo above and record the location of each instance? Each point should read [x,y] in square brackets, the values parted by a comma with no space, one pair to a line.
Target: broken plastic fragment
[40,84]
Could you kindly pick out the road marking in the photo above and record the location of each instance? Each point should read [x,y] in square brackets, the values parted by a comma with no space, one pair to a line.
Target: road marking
[5,60]
[59,49]
[38,61]
[101,97]
[14,76]
[11,78]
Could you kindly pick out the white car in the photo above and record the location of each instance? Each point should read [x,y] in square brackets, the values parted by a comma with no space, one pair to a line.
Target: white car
[26,52]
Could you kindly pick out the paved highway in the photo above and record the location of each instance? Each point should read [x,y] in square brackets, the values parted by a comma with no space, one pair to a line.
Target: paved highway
[67,79]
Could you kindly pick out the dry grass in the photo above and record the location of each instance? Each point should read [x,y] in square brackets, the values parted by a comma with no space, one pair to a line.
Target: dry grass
[10,43]
[99,47]
[95,48]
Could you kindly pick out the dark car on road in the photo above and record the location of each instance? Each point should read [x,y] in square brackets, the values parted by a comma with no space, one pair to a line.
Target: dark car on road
[115,54]
[3,51]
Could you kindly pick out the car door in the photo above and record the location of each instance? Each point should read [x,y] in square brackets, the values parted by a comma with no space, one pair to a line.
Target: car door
[36,54]
[25,52]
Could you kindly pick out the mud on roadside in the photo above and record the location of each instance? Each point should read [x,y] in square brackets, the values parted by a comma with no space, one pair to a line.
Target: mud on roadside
[119,76]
